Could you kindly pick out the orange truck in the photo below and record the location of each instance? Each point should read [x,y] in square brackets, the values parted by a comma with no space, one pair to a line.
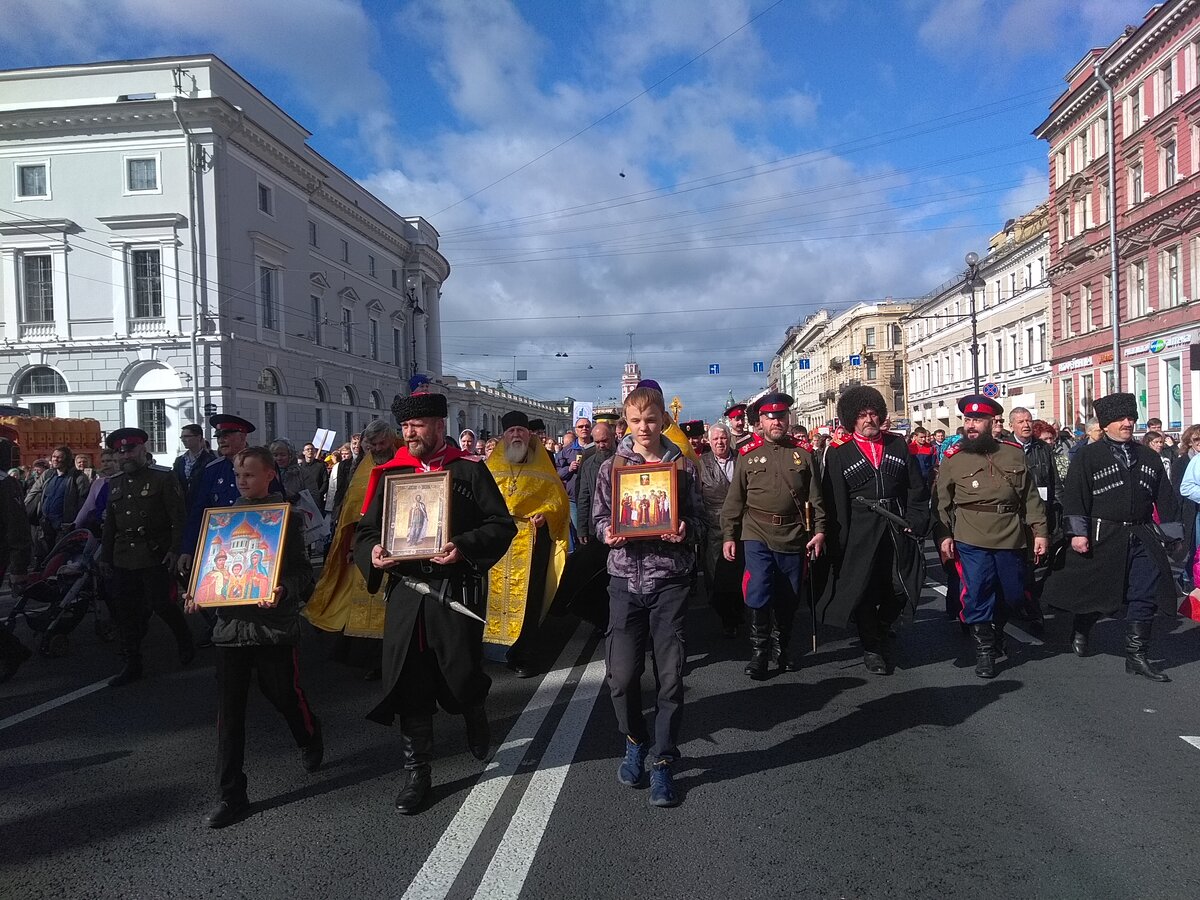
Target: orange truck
[37,437]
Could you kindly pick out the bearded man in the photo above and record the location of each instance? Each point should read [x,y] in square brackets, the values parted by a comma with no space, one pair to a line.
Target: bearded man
[877,568]
[523,583]
[985,504]
[433,654]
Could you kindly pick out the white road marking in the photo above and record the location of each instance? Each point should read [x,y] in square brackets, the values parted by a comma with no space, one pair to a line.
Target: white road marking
[437,875]
[505,875]
[51,704]
[1194,741]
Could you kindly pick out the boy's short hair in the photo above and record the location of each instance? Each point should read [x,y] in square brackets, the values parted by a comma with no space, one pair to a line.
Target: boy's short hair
[646,398]
[262,454]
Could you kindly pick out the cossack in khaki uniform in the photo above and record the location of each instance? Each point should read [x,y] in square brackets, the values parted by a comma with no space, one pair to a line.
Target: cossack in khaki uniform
[771,483]
[985,500]
[144,518]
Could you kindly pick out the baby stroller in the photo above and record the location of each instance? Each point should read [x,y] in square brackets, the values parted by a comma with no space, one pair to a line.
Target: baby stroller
[55,600]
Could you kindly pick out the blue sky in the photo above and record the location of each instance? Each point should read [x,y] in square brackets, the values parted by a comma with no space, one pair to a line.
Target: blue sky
[777,157]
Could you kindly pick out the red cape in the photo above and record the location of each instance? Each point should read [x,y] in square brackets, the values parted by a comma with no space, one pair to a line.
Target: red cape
[405,460]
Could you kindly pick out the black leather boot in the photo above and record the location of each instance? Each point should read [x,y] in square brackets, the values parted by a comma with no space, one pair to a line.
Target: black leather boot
[985,649]
[781,656]
[416,736]
[1137,644]
[479,732]
[760,643]
[131,673]
[1081,629]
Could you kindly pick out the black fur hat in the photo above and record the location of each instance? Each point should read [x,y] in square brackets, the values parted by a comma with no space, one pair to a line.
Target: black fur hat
[855,400]
[1115,406]
[419,406]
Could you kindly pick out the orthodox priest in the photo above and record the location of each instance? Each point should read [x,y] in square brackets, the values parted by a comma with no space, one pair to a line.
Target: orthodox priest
[1115,557]
[878,566]
[522,584]
[433,653]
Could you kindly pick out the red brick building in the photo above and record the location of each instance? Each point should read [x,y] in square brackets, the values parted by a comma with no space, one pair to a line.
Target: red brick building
[1153,72]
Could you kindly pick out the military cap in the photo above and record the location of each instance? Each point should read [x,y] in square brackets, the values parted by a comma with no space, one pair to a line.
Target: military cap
[775,405]
[693,429]
[514,419]
[419,406]
[126,437]
[223,422]
[737,411]
[977,406]
[1115,406]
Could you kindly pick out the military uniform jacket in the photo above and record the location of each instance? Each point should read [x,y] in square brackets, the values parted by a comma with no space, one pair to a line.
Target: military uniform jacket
[856,533]
[143,519]
[987,499]
[1109,504]
[217,487]
[771,484]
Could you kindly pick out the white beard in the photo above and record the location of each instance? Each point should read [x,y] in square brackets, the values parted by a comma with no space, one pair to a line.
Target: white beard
[516,452]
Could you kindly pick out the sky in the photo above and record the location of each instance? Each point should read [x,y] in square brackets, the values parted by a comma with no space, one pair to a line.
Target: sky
[699,173]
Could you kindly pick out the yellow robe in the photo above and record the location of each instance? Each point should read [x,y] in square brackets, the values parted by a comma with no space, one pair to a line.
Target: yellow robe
[529,488]
[675,435]
[341,601]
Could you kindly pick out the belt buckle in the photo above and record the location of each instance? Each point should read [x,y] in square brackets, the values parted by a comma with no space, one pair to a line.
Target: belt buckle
[776,520]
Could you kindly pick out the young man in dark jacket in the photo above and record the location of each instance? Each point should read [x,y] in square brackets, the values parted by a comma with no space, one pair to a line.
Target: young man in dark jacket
[262,636]
[648,588]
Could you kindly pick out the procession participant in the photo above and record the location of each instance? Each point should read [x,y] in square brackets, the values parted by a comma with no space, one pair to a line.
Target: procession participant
[343,601]
[739,433]
[568,460]
[523,583]
[986,506]
[876,568]
[263,636]
[773,480]
[622,428]
[218,485]
[694,432]
[584,585]
[1039,459]
[467,441]
[189,466]
[432,654]
[339,480]
[1116,557]
[315,474]
[287,468]
[648,590]
[142,524]
[55,498]
[723,576]
[16,544]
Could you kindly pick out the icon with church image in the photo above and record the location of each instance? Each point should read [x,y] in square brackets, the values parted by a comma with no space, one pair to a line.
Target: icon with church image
[237,560]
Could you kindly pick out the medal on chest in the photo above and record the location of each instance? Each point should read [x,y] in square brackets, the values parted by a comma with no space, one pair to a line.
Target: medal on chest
[974,484]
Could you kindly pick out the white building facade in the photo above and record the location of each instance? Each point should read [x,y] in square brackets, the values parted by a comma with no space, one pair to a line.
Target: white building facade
[1012,297]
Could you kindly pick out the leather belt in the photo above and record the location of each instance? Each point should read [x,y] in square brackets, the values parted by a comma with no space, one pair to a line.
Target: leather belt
[1001,508]
[770,518]
[1116,522]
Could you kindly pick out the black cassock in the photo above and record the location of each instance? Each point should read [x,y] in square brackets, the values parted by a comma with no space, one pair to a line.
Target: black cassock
[1101,495]
[481,528]
[860,541]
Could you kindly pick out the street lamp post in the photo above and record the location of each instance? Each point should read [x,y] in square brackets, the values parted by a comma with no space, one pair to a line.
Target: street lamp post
[972,278]
[415,310]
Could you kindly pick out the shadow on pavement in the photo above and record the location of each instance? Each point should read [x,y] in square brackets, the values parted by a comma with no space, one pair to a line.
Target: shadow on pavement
[25,773]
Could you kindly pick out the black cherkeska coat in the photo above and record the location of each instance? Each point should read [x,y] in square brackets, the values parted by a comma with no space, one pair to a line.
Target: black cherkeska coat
[481,528]
[856,534]
[1101,494]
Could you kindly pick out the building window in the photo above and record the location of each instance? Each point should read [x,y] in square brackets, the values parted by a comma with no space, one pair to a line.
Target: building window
[43,410]
[320,417]
[348,423]
[1065,309]
[872,370]
[347,332]
[270,416]
[376,401]
[1135,183]
[1069,415]
[312,235]
[370,265]
[345,251]
[395,280]
[266,199]
[1030,348]
[152,419]
[147,285]
[1043,343]
[1103,202]
[870,337]
[267,297]
[1169,293]
[1167,81]
[373,337]
[1085,308]
[1105,299]
[141,175]
[1087,391]
[1135,108]
[268,382]
[1166,154]
[1174,393]
[42,380]
[897,336]
[315,305]
[1137,288]
[1139,384]
[397,346]
[349,397]
[33,181]
[38,289]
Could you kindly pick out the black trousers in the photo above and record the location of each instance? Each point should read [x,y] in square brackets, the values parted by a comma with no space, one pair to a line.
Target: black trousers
[883,601]
[278,668]
[135,595]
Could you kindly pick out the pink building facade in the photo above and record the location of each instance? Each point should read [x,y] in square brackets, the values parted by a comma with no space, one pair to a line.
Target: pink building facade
[1153,70]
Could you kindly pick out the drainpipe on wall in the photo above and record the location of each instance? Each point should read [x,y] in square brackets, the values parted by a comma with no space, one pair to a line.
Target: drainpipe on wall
[1114,261]
[197,319]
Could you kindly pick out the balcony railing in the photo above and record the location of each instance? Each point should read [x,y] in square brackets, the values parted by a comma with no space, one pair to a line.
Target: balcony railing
[144,327]
[38,331]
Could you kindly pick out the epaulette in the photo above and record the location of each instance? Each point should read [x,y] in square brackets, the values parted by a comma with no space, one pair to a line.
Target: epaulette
[1013,444]
[752,445]
[219,459]
[950,451]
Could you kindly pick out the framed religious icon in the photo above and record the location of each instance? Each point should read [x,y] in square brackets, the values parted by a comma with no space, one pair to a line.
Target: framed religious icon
[416,514]
[239,554]
[645,500]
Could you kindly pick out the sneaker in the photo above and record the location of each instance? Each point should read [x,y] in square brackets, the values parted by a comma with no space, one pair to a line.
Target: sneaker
[662,786]
[633,766]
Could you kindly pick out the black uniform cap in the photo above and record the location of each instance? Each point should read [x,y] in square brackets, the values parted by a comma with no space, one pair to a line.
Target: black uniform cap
[223,422]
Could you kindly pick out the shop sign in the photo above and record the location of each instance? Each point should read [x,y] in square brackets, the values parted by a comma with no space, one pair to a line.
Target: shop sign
[1158,345]
[1084,362]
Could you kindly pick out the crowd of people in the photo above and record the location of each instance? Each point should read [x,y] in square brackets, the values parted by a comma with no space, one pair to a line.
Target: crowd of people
[757,515]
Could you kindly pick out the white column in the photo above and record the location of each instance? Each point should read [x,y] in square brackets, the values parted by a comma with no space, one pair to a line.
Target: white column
[169,254]
[8,294]
[62,308]
[120,308]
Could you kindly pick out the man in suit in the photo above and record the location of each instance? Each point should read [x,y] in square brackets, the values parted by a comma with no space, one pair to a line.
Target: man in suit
[189,465]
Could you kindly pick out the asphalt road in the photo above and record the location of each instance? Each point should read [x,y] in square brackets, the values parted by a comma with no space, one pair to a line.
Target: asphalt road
[1061,778]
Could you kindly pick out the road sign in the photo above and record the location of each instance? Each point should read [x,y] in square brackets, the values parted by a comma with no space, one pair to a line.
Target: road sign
[991,389]
[714,368]
[856,359]
[759,367]
[805,363]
